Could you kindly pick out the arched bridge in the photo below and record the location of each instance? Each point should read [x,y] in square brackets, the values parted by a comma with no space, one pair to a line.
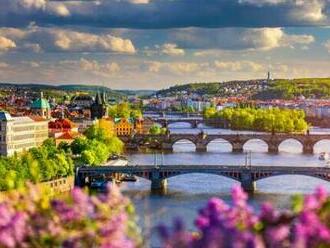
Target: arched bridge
[158,175]
[193,121]
[237,141]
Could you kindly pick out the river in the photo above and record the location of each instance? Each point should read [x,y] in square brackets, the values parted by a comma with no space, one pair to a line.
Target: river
[188,193]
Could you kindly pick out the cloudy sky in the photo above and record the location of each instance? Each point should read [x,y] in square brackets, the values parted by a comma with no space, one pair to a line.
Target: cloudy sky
[150,44]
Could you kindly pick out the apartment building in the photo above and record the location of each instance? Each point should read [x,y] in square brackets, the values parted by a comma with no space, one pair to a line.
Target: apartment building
[21,133]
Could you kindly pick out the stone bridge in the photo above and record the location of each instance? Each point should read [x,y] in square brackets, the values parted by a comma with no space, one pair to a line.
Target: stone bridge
[237,141]
[193,121]
[158,175]
[172,113]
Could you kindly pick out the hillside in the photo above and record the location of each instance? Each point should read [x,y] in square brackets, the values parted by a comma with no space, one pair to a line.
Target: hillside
[256,89]
[55,90]
[288,89]
[226,89]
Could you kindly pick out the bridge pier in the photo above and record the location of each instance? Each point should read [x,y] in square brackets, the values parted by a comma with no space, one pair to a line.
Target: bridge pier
[247,183]
[308,149]
[79,180]
[194,124]
[200,147]
[237,147]
[158,183]
[167,146]
[273,148]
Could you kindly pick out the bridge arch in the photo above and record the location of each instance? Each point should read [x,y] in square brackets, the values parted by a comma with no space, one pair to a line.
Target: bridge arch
[236,176]
[291,145]
[322,145]
[325,177]
[219,144]
[256,144]
[181,123]
[183,144]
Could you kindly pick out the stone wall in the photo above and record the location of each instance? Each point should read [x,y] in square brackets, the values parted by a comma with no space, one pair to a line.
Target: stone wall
[60,185]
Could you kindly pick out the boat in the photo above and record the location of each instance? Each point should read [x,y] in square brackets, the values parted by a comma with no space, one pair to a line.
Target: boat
[128,178]
[324,156]
[99,184]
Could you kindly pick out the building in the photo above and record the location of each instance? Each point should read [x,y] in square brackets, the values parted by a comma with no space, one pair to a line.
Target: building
[124,126]
[85,124]
[147,124]
[41,107]
[67,137]
[82,101]
[99,107]
[61,126]
[21,133]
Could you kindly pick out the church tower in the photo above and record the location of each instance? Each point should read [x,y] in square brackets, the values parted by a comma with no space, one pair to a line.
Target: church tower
[41,107]
[99,107]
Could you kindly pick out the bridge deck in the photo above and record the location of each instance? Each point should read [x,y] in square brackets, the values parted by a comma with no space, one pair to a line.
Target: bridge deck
[201,168]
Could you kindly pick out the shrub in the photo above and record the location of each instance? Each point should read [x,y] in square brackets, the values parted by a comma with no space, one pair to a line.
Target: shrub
[30,218]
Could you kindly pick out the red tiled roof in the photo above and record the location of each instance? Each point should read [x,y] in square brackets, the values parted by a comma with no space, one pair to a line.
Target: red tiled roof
[69,135]
[36,118]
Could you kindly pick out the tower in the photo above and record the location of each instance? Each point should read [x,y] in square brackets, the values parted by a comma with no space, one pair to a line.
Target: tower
[41,107]
[99,107]
[269,77]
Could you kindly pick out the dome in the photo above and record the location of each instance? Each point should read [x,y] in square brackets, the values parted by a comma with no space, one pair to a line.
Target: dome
[40,103]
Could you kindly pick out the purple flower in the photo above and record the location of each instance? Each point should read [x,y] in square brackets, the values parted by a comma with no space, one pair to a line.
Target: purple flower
[239,196]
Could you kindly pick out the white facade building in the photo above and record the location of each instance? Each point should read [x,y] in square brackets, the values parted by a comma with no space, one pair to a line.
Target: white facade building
[18,134]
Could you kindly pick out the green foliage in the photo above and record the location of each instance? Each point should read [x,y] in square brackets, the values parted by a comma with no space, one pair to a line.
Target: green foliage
[125,110]
[96,147]
[289,89]
[38,164]
[269,120]
[156,130]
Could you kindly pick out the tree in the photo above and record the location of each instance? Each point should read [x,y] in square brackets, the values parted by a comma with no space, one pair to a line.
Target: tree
[88,157]
[155,129]
[79,145]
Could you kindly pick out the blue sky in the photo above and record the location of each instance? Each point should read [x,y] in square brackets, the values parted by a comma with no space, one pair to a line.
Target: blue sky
[150,44]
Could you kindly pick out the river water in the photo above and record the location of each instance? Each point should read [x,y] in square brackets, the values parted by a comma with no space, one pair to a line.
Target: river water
[188,193]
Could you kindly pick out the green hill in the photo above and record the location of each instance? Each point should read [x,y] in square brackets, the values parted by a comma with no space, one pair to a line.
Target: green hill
[318,88]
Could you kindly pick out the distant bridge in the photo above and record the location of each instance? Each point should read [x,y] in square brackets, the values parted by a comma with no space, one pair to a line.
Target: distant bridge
[237,141]
[158,175]
[172,113]
[165,121]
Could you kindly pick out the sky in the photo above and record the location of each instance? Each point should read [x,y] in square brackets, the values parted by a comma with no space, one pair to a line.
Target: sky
[152,44]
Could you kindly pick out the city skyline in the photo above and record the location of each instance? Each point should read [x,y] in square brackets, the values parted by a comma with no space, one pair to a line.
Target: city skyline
[152,44]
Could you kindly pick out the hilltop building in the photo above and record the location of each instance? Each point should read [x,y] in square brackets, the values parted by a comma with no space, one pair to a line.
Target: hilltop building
[21,133]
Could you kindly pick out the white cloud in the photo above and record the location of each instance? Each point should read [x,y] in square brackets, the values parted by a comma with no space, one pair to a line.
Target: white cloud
[3,65]
[327,45]
[309,10]
[178,68]
[139,1]
[50,39]
[95,67]
[77,41]
[172,49]
[236,66]
[6,44]
[262,2]
[33,4]
[237,38]
[59,10]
